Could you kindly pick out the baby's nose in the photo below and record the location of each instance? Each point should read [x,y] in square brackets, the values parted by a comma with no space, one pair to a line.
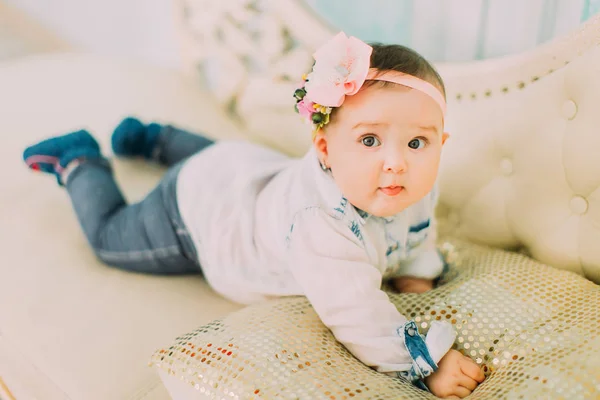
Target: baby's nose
[395,163]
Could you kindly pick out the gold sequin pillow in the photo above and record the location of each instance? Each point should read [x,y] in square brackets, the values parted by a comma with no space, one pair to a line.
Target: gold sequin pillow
[534,330]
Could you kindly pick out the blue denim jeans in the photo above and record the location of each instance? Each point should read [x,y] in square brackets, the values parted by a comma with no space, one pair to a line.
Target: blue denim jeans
[148,236]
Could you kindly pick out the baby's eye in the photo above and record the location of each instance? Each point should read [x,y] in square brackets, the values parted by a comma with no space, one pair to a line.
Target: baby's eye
[370,141]
[417,143]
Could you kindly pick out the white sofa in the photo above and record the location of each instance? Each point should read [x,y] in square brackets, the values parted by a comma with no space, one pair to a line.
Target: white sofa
[71,328]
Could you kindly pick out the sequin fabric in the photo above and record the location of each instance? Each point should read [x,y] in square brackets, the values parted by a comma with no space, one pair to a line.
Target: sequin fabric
[534,330]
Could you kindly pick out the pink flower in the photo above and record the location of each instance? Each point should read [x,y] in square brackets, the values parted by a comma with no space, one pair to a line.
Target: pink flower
[341,67]
[305,108]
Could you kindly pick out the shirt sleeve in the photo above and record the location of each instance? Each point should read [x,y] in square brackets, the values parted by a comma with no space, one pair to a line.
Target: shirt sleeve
[428,263]
[330,264]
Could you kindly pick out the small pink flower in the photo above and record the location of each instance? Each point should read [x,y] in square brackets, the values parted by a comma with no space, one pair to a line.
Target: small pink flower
[305,108]
[341,67]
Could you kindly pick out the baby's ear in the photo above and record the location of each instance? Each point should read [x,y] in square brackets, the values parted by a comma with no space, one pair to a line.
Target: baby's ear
[320,143]
[445,136]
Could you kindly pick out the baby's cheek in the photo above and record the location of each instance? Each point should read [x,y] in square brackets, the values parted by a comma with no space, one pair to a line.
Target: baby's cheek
[425,178]
[349,184]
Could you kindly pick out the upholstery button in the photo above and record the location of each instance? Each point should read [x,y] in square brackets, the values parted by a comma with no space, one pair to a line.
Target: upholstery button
[569,109]
[578,205]
[506,166]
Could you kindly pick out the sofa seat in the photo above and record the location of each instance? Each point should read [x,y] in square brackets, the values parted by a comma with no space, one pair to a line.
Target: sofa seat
[70,327]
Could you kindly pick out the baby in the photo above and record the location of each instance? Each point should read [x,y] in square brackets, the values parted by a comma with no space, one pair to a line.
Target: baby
[357,209]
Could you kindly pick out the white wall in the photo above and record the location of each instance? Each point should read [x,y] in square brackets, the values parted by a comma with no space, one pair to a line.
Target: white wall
[458,30]
[141,29]
[145,29]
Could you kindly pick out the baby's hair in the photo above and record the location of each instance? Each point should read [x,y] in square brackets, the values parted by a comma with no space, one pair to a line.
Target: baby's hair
[395,57]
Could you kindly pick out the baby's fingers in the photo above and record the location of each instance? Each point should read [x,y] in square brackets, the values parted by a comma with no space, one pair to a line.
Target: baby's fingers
[462,392]
[472,370]
[467,382]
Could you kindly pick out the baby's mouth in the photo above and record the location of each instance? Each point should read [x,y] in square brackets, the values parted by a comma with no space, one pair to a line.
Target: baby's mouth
[392,190]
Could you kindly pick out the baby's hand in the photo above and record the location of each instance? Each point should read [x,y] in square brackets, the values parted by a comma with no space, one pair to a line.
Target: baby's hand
[456,377]
[407,284]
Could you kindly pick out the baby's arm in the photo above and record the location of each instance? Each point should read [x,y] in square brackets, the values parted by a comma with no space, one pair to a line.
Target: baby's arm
[330,264]
[408,284]
[417,275]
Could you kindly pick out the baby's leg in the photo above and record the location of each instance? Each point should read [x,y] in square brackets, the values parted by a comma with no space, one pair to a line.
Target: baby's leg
[145,237]
[165,144]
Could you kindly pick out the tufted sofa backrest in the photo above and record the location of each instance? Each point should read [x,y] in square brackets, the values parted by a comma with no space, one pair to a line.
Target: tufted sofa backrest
[522,166]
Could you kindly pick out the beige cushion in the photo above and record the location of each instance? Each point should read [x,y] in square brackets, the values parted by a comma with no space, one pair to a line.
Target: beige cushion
[71,328]
[533,330]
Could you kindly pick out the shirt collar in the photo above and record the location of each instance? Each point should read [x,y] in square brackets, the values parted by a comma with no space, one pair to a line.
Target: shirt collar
[366,216]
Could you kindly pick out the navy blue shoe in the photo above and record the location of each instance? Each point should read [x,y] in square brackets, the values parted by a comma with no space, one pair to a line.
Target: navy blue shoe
[131,138]
[53,155]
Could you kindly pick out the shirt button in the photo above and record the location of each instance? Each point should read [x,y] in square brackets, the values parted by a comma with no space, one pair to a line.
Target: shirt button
[578,205]
[569,109]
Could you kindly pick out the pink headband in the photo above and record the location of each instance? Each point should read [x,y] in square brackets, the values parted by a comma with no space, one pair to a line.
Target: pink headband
[341,68]
[411,82]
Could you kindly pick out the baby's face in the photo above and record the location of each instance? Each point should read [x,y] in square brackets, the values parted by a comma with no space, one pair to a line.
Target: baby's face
[383,147]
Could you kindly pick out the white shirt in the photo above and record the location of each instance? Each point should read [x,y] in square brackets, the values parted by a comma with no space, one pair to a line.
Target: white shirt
[265,225]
